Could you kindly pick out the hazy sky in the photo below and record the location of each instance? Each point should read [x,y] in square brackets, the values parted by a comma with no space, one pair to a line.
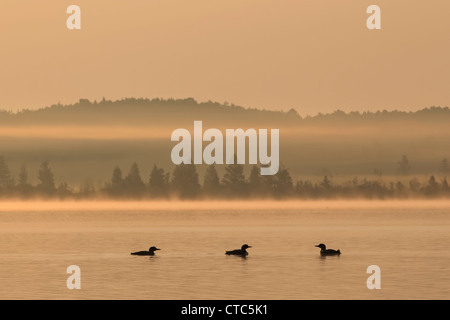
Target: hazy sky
[314,56]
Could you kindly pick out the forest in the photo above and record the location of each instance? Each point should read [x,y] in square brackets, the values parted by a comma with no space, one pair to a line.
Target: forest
[184,183]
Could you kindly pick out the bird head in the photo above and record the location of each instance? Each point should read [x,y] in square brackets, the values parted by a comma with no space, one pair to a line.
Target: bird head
[321,246]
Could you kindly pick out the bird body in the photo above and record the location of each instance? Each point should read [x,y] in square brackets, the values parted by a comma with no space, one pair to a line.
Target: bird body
[150,252]
[327,252]
[239,252]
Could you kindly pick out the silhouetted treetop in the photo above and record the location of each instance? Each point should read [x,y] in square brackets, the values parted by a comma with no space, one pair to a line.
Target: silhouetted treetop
[5,174]
[185,182]
[46,179]
[159,182]
[134,186]
[404,166]
[234,181]
[211,183]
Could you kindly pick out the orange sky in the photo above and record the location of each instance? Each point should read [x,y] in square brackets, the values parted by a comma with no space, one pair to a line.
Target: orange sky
[314,56]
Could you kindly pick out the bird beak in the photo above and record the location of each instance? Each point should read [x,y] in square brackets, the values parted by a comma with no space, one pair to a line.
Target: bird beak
[157,249]
[249,246]
[316,246]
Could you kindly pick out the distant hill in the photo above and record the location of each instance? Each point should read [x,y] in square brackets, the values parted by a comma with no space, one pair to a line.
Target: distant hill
[172,112]
[425,115]
[145,112]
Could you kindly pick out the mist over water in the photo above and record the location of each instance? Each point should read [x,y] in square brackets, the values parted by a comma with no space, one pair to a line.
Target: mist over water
[407,240]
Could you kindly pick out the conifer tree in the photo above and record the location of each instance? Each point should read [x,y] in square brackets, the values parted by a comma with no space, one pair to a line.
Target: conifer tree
[211,184]
[46,179]
[5,174]
[134,185]
[403,166]
[116,188]
[159,182]
[234,181]
[283,184]
[185,181]
[23,187]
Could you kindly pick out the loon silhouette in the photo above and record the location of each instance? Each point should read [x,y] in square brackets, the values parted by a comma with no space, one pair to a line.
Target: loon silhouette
[327,252]
[239,252]
[150,252]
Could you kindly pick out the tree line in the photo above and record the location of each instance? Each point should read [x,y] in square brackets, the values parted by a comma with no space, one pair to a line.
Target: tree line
[184,183]
[107,111]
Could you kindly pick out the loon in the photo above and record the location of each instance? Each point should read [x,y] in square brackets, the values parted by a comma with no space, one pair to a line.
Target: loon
[150,252]
[327,252]
[239,252]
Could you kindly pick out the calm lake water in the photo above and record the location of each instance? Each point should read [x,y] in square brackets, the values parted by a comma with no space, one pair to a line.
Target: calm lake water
[409,243]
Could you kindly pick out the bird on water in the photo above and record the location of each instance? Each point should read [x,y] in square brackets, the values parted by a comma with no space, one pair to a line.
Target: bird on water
[150,252]
[327,252]
[239,252]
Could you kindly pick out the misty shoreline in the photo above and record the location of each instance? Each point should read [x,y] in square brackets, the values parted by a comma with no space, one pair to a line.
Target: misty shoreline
[17,205]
